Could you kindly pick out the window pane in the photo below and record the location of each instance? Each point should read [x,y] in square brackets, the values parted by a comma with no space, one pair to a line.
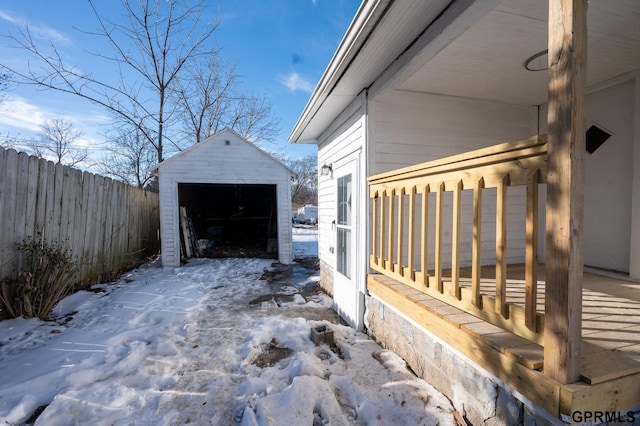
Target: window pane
[344,200]
[344,252]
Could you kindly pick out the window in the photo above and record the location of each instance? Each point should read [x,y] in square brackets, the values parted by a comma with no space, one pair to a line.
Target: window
[344,226]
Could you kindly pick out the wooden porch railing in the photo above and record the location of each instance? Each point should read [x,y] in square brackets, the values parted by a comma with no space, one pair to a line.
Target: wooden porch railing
[400,203]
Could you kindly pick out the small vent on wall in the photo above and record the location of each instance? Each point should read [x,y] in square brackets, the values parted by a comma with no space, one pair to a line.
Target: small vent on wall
[595,137]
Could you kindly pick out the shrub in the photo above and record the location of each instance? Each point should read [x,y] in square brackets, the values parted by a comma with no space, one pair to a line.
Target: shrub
[46,278]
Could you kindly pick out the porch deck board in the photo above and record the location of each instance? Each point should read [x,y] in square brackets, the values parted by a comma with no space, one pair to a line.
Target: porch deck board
[603,366]
[504,340]
[611,318]
[605,309]
[531,355]
[518,348]
[611,325]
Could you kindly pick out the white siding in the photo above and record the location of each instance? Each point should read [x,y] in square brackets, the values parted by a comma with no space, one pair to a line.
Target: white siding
[608,178]
[607,193]
[410,128]
[215,161]
[342,143]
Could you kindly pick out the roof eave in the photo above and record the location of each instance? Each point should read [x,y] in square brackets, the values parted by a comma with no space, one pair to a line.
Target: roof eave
[358,32]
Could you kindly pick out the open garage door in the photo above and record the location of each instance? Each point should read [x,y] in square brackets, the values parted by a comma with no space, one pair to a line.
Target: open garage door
[232,220]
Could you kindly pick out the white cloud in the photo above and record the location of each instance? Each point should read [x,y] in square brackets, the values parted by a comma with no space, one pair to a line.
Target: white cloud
[18,113]
[24,119]
[8,17]
[41,32]
[295,81]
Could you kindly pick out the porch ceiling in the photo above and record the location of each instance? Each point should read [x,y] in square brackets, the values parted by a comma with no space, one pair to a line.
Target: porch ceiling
[487,61]
[467,48]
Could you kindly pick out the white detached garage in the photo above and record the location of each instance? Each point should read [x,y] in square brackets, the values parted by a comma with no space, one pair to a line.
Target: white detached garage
[232,191]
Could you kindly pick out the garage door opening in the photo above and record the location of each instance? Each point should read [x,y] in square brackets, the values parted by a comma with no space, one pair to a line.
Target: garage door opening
[232,220]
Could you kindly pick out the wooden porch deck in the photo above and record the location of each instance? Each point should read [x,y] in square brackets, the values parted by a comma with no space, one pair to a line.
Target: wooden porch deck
[610,318]
[610,362]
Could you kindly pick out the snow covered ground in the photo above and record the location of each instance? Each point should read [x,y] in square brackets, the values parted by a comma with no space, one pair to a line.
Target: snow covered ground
[207,344]
[305,241]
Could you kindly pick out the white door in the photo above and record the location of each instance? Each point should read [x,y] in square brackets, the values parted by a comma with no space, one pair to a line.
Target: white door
[347,294]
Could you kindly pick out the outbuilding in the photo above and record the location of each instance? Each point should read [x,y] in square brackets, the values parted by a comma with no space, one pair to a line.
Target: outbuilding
[224,196]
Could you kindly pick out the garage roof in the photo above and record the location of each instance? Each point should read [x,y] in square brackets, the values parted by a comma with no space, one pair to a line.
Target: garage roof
[220,135]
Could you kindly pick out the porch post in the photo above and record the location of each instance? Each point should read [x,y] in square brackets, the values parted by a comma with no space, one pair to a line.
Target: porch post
[565,191]
[634,257]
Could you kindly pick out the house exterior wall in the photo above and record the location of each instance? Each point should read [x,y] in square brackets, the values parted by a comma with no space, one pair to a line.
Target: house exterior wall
[609,190]
[410,128]
[344,141]
[414,127]
[213,161]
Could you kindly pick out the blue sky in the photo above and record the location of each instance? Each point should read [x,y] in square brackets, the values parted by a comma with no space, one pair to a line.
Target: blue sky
[280,48]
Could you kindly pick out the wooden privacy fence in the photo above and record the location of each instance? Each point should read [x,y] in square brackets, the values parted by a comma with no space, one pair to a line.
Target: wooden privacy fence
[400,207]
[107,225]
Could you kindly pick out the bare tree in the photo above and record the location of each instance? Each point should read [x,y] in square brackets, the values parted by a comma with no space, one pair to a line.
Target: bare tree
[4,86]
[150,50]
[7,141]
[129,158]
[58,138]
[253,118]
[304,188]
[203,98]
[211,99]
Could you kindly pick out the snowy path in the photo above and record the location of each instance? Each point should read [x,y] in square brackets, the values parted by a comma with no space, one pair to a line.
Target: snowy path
[188,347]
[305,241]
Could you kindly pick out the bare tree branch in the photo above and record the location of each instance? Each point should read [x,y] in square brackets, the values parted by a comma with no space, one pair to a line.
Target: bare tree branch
[4,86]
[304,188]
[151,51]
[212,99]
[59,139]
[129,158]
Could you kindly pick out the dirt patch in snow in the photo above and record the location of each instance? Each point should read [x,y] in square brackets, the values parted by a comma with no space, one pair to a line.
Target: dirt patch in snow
[312,263]
[271,355]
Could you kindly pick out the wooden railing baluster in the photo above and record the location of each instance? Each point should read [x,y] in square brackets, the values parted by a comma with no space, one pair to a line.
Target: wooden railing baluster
[424,236]
[438,249]
[531,251]
[400,240]
[392,197]
[501,246]
[374,228]
[476,250]
[382,228]
[455,241]
[411,244]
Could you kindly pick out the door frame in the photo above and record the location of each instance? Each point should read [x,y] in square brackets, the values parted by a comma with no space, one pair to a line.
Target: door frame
[348,292]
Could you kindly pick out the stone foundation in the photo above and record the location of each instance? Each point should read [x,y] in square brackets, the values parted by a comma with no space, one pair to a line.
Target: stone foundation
[326,278]
[479,397]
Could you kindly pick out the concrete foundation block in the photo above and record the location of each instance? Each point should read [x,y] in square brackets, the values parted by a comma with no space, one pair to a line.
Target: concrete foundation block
[322,335]
[326,278]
